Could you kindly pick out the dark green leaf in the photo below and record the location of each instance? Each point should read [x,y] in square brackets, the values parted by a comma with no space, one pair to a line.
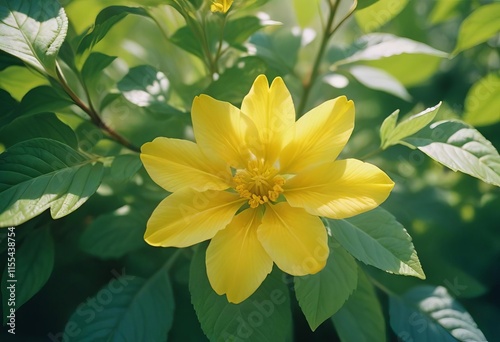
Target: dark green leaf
[105,20]
[377,239]
[33,31]
[42,125]
[7,60]
[460,147]
[237,31]
[42,173]
[234,83]
[116,234]
[478,27]
[128,308]
[321,295]
[9,105]
[43,99]
[264,316]
[34,261]
[125,166]
[94,65]
[407,127]
[428,313]
[365,3]
[361,318]
[483,101]
[186,39]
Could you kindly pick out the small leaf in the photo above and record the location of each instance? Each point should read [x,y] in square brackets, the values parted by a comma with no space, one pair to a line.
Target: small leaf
[478,27]
[42,173]
[378,79]
[376,46]
[361,318]
[305,11]
[43,99]
[94,65]
[125,166]
[483,101]
[264,316]
[388,125]
[147,87]
[377,239]
[321,295]
[409,126]
[33,31]
[460,147]
[378,14]
[113,235]
[42,125]
[365,3]
[237,31]
[444,10]
[105,20]
[34,261]
[128,308]
[428,313]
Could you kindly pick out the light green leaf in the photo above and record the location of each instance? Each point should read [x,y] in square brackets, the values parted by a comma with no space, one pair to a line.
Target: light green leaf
[105,20]
[113,235]
[321,295]
[376,46]
[378,79]
[444,10]
[478,27]
[33,31]
[306,11]
[18,80]
[129,308]
[42,125]
[377,239]
[407,127]
[264,316]
[482,104]
[428,313]
[34,260]
[365,3]
[125,166]
[378,14]
[43,99]
[42,173]
[361,318]
[388,125]
[460,147]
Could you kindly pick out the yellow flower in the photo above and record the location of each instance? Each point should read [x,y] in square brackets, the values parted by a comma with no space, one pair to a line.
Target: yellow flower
[221,5]
[255,183]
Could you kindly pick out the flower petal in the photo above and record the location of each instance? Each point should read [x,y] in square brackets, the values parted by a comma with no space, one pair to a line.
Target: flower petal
[320,135]
[272,111]
[339,189]
[295,240]
[236,261]
[187,217]
[175,164]
[218,128]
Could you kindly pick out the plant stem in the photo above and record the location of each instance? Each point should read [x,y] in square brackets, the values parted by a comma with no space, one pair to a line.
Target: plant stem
[94,117]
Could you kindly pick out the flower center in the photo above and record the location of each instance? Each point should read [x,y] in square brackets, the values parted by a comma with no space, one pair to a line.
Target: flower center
[258,183]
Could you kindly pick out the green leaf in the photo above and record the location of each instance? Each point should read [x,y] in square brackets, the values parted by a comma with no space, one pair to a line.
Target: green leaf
[9,104]
[264,316]
[42,125]
[444,10]
[34,261]
[377,239]
[375,46]
[105,20]
[42,173]
[237,31]
[378,14]
[186,40]
[33,31]
[407,127]
[147,87]
[113,235]
[7,60]
[128,308]
[378,79]
[365,3]
[234,83]
[483,101]
[478,27]
[94,65]
[388,125]
[361,318]
[306,11]
[428,313]
[125,166]
[460,147]
[321,295]
[43,99]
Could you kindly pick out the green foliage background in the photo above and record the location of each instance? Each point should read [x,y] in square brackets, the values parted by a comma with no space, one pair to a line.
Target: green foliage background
[73,114]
